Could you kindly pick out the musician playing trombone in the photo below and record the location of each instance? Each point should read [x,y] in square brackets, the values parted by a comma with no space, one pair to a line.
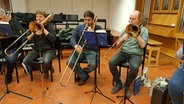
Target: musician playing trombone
[87,52]
[44,41]
[5,42]
[132,50]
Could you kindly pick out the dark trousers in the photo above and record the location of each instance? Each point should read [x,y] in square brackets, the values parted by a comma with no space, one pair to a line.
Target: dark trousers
[47,57]
[122,57]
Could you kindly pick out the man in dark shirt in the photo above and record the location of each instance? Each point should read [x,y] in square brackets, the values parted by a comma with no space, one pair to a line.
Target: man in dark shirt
[43,43]
[87,52]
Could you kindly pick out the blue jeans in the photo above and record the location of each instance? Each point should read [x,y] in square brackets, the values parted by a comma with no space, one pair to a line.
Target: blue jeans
[122,57]
[47,57]
[176,87]
[90,56]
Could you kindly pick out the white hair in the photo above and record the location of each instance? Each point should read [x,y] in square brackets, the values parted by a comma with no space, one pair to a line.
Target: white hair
[6,14]
[2,11]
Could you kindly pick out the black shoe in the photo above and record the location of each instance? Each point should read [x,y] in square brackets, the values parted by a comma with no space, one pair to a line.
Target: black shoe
[116,88]
[128,94]
[77,78]
[83,81]
[88,70]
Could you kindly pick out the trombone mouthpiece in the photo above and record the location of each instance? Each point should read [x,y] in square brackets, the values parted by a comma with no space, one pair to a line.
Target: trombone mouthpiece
[86,27]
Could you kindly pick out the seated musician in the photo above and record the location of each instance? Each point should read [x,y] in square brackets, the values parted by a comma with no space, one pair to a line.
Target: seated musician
[132,50]
[5,42]
[87,52]
[176,85]
[43,40]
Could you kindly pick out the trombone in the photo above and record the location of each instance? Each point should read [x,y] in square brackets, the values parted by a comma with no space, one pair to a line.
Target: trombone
[70,74]
[132,30]
[48,19]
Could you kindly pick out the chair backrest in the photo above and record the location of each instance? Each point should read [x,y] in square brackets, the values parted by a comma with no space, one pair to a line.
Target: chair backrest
[72,18]
[58,18]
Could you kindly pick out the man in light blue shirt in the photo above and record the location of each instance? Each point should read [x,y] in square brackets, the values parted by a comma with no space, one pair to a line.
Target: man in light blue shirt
[131,50]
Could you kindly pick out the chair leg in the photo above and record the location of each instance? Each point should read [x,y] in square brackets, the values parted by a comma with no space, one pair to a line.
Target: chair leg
[99,68]
[59,59]
[75,77]
[51,76]
[17,75]
[31,76]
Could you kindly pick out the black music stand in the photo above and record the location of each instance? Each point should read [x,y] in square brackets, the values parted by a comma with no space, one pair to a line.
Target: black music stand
[92,38]
[124,98]
[5,77]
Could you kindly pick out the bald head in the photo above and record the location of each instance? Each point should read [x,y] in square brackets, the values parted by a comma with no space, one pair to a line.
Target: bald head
[135,17]
[137,13]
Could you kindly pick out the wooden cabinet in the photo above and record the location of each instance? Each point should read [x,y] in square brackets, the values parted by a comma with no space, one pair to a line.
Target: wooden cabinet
[166,23]
[165,6]
[175,6]
[156,6]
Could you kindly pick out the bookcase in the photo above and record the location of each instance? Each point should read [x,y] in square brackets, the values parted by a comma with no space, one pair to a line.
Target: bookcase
[166,24]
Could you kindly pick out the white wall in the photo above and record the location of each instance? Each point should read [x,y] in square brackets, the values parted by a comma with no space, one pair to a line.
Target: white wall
[116,12]
[99,7]
[19,5]
[119,13]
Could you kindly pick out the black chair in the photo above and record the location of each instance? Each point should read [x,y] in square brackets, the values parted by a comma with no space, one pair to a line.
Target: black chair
[85,62]
[72,19]
[126,65]
[57,18]
[40,62]
[3,62]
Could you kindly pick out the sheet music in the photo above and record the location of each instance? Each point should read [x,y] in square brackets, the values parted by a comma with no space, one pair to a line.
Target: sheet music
[4,23]
[101,37]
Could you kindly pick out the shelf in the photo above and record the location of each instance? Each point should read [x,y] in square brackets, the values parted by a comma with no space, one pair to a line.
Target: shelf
[168,52]
[179,35]
[163,31]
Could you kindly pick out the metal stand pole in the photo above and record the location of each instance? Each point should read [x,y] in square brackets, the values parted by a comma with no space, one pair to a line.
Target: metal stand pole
[124,98]
[44,93]
[95,88]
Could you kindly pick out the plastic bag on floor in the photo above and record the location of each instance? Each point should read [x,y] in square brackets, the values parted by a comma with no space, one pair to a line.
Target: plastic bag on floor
[159,81]
[145,81]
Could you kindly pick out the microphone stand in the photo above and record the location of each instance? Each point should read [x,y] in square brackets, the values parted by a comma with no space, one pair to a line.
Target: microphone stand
[44,93]
[5,77]
[95,88]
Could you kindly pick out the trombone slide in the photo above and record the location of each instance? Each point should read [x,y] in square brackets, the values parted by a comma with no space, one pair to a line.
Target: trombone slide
[48,19]
[64,73]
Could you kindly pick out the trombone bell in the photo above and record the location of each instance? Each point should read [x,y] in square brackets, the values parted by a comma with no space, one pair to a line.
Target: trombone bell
[133,30]
[36,28]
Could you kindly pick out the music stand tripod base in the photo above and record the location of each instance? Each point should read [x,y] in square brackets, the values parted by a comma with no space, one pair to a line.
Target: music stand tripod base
[44,93]
[9,91]
[124,98]
[95,88]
